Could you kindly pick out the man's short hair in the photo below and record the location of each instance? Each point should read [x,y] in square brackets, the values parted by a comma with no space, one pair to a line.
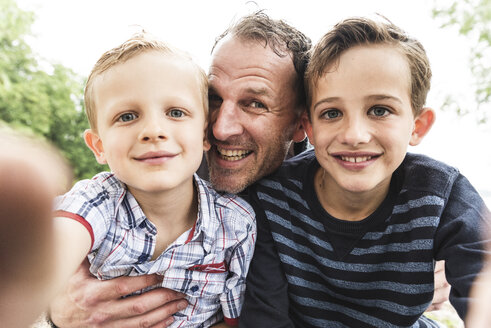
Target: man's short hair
[281,37]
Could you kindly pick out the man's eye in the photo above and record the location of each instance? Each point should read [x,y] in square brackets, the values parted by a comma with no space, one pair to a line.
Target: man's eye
[257,104]
[214,101]
[176,113]
[378,111]
[331,114]
[127,117]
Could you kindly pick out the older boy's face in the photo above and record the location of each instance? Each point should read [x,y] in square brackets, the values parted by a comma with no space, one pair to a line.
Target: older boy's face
[150,122]
[252,113]
[361,119]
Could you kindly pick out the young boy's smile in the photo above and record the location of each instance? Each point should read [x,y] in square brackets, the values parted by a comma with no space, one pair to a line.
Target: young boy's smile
[362,120]
[150,122]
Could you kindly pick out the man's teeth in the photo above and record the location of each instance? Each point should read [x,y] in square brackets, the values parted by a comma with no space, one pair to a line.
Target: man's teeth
[233,155]
[356,159]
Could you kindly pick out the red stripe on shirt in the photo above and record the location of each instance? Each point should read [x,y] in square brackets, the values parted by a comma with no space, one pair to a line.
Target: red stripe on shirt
[80,219]
[231,321]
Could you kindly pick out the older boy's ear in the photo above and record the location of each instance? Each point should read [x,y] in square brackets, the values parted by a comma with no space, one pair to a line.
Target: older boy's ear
[94,143]
[299,134]
[307,125]
[422,125]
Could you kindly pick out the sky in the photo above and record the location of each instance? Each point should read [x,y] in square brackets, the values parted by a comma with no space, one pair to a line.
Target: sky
[76,33]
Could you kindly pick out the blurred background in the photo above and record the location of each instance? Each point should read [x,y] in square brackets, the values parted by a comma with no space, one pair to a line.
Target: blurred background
[47,48]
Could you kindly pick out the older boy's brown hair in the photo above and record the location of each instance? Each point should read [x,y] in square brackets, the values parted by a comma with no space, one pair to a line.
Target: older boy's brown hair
[363,31]
[138,44]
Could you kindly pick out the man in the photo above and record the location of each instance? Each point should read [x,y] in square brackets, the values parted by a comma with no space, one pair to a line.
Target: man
[256,98]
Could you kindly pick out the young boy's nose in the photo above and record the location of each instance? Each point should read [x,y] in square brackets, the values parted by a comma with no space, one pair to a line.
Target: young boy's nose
[152,129]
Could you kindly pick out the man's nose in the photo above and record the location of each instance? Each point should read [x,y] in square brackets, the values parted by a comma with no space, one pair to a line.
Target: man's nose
[226,121]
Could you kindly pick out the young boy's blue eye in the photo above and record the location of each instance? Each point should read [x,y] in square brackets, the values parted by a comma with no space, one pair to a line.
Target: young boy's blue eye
[176,113]
[126,117]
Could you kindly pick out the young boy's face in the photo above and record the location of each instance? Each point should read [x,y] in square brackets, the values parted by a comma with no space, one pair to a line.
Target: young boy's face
[362,120]
[150,121]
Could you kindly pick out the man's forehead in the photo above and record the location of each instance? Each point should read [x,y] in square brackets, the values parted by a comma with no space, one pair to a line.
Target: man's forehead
[236,59]
[251,52]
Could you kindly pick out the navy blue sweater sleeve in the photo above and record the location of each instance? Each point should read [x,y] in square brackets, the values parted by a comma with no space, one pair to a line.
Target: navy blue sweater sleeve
[266,298]
[460,240]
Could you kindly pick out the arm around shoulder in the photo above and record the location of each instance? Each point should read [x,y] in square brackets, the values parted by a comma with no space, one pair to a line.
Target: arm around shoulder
[461,242]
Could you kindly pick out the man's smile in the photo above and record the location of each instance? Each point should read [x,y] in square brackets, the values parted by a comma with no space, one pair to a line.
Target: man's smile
[232,154]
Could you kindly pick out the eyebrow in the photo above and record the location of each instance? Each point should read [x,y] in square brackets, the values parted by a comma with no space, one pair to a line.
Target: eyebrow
[371,97]
[326,100]
[258,92]
[384,97]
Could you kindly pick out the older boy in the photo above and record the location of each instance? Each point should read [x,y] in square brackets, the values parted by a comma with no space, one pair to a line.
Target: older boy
[351,232]
[147,108]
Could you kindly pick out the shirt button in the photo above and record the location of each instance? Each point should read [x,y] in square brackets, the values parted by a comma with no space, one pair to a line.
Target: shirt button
[194,289]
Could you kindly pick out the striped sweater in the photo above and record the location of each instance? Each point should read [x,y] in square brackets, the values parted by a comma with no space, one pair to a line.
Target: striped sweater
[313,270]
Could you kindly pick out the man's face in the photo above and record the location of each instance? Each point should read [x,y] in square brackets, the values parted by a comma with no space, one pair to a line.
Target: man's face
[253,113]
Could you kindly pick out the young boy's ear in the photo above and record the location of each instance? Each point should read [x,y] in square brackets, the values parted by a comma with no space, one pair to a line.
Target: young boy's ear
[93,141]
[422,124]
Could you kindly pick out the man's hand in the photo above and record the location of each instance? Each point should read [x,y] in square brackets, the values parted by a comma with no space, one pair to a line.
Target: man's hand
[89,302]
[442,288]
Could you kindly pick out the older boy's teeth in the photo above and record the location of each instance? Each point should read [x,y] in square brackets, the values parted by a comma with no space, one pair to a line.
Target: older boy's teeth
[232,155]
[356,159]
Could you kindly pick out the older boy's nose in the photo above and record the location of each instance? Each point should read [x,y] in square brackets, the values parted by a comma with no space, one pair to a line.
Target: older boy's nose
[355,132]
[226,121]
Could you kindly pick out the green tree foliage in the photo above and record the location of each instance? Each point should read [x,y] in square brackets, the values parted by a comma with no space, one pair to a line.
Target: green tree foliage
[473,20]
[38,97]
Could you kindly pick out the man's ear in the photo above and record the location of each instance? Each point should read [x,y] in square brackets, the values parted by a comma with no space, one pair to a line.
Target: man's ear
[299,133]
[422,124]
[93,141]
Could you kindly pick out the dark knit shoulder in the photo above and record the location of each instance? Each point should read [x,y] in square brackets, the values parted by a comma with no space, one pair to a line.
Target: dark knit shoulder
[289,168]
[423,173]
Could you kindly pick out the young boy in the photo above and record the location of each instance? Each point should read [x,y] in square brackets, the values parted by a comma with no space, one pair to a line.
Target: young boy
[147,108]
[348,233]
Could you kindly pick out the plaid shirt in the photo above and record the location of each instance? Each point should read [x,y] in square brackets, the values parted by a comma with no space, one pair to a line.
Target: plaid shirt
[208,263]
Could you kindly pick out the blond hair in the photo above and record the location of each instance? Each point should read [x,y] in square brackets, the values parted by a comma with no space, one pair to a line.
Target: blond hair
[136,45]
